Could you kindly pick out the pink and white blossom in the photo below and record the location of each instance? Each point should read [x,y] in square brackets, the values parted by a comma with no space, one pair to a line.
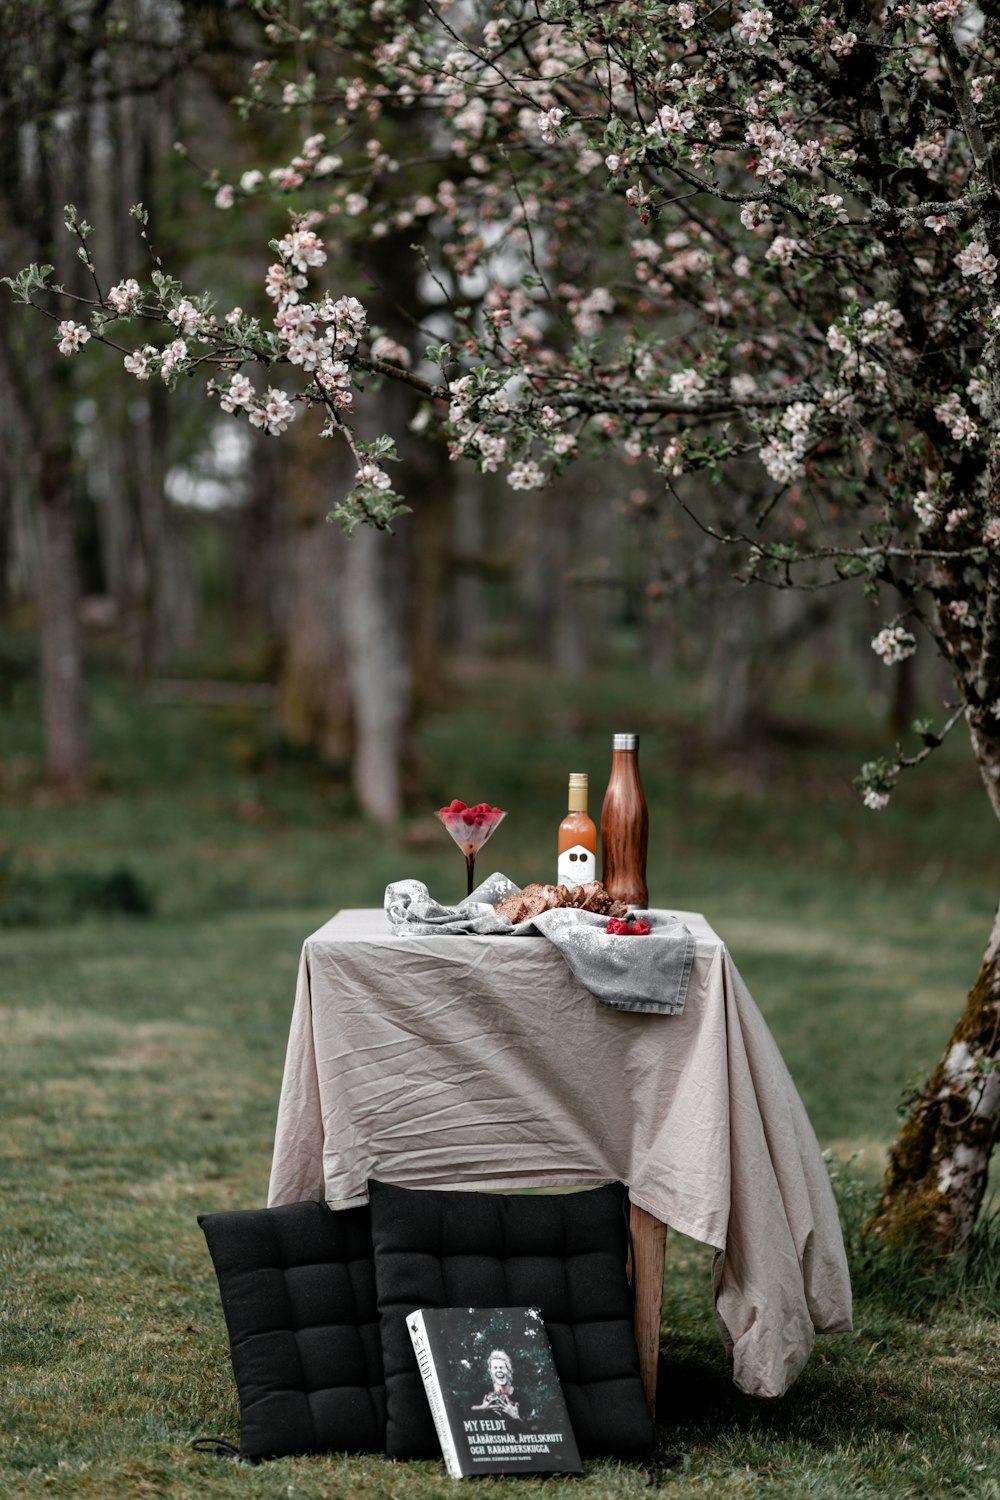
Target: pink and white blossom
[282,285]
[549,123]
[835,203]
[782,459]
[927,151]
[947,10]
[893,644]
[879,320]
[72,336]
[755,214]
[526,475]
[492,451]
[393,353]
[837,339]
[843,44]
[976,260]
[185,317]
[755,26]
[374,475]
[670,120]
[285,177]
[672,458]
[687,384]
[137,363]
[275,414]
[173,355]
[239,394]
[978,390]
[797,419]
[954,416]
[302,248]
[783,249]
[124,296]
[925,507]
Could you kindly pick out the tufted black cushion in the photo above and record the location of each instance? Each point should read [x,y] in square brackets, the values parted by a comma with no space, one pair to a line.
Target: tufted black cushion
[564,1253]
[298,1291]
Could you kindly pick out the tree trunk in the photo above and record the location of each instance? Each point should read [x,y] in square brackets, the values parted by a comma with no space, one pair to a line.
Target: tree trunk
[938,1167]
[314,706]
[64,712]
[729,673]
[377,670]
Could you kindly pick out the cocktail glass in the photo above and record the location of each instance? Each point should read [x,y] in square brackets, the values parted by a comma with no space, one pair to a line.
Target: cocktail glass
[470,827]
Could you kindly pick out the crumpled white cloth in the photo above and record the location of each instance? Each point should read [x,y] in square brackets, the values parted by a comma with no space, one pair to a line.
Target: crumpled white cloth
[646,973]
[413,911]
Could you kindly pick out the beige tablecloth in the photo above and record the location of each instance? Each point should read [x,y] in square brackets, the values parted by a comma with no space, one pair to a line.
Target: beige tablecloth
[481,1062]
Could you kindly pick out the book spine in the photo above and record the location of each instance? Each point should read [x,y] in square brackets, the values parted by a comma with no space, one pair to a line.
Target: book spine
[432,1385]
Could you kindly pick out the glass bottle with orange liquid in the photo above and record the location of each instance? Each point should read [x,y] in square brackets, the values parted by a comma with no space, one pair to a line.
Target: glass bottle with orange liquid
[577,837]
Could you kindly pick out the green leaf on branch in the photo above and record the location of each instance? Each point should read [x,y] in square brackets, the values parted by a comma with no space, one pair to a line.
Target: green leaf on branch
[74,223]
[32,279]
[367,506]
[381,449]
[923,728]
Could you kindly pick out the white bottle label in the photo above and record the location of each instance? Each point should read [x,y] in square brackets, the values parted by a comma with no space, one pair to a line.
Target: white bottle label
[576,865]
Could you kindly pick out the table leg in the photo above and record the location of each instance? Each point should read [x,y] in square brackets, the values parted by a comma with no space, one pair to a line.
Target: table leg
[648,1249]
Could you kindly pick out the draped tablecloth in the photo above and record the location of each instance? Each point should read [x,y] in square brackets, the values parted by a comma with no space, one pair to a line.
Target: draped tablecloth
[481,1062]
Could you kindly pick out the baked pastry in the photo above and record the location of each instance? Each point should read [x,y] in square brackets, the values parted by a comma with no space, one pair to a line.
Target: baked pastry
[590,895]
[531,901]
[534,899]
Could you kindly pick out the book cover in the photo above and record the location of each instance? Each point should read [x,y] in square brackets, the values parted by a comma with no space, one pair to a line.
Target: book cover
[493,1391]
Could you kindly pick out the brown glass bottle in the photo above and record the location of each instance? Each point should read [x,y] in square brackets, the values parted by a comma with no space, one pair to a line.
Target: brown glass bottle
[625,825]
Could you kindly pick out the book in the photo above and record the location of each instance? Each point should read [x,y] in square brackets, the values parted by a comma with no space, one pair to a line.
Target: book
[493,1390]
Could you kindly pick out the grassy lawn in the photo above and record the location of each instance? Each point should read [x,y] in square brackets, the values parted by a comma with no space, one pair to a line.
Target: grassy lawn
[142,1057]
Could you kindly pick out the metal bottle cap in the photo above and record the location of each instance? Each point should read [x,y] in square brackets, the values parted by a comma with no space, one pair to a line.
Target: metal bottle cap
[578,787]
[624,742]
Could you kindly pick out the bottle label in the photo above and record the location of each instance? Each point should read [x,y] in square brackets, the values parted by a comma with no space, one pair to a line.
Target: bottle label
[576,865]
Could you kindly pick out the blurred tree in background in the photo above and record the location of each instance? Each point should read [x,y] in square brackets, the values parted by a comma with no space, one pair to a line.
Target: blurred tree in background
[736,265]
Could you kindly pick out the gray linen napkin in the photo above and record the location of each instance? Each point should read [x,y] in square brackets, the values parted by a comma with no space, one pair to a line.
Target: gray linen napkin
[413,912]
[648,973]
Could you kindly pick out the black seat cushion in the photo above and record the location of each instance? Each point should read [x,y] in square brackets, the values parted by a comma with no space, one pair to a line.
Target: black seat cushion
[298,1291]
[563,1253]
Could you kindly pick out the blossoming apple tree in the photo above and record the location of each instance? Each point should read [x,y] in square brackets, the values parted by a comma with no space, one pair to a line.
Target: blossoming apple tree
[751,250]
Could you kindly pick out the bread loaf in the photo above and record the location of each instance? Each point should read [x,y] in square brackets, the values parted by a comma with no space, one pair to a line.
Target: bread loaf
[534,899]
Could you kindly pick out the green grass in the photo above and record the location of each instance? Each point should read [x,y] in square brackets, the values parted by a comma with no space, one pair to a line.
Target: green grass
[141,1060]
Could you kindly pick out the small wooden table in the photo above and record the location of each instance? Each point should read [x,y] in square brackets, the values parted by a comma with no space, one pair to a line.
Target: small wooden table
[481,1063]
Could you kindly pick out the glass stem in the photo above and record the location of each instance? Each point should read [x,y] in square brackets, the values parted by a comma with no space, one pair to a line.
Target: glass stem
[470,865]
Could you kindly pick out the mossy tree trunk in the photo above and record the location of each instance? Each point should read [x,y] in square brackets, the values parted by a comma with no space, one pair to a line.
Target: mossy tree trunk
[939,1164]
